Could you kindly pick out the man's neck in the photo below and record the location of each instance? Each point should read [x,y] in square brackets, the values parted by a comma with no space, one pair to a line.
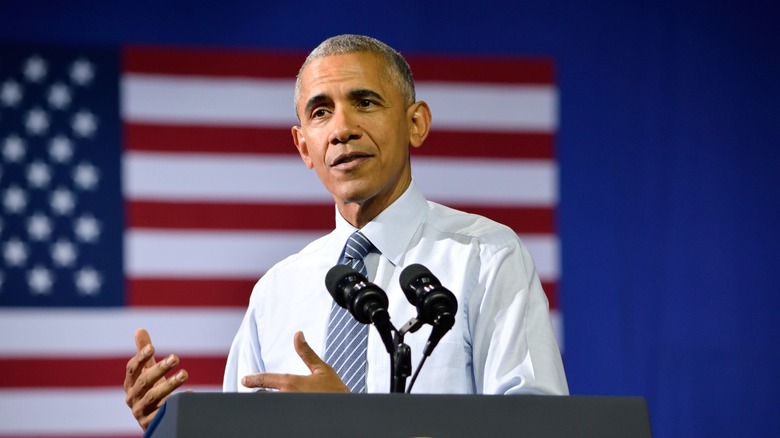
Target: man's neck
[358,214]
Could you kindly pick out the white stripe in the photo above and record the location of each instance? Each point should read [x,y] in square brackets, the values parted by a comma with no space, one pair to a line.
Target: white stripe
[335,338]
[258,178]
[556,319]
[109,332]
[487,182]
[545,250]
[244,254]
[222,178]
[501,107]
[71,412]
[208,254]
[204,100]
[268,102]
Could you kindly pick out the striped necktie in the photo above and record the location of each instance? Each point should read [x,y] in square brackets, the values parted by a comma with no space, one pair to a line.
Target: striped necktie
[347,339]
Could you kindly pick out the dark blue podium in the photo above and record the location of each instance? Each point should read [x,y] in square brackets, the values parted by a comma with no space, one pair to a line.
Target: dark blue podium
[195,415]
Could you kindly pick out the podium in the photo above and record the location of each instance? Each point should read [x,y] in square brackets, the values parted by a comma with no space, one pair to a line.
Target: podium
[195,415]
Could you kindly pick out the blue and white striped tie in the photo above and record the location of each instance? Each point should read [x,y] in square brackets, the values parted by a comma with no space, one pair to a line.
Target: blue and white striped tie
[347,339]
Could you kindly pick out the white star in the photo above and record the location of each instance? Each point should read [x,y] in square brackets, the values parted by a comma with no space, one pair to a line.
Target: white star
[88,281]
[63,253]
[38,174]
[62,201]
[59,96]
[35,69]
[14,199]
[82,72]
[84,124]
[40,280]
[13,148]
[39,226]
[15,252]
[37,121]
[87,228]
[11,93]
[86,176]
[60,149]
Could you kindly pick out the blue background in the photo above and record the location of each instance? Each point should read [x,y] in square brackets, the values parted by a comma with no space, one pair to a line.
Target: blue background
[669,168]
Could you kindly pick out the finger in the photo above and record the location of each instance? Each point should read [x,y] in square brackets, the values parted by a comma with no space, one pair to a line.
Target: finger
[137,364]
[155,375]
[142,339]
[146,420]
[281,382]
[145,408]
[150,378]
[160,393]
[305,352]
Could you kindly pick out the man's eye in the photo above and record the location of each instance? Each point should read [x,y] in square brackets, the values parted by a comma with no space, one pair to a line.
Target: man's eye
[365,103]
[318,113]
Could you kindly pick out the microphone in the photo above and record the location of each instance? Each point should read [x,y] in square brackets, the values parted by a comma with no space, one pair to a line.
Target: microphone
[366,301]
[436,305]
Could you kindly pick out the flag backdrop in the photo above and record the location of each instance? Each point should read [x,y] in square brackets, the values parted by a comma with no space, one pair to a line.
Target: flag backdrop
[152,187]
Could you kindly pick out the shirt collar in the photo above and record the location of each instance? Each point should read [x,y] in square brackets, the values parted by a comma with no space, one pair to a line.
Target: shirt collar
[392,230]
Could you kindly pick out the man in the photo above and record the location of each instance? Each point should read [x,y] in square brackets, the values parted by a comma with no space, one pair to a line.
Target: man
[355,101]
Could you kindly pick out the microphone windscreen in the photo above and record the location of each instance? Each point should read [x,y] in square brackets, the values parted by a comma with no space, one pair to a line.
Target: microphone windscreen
[334,277]
[409,276]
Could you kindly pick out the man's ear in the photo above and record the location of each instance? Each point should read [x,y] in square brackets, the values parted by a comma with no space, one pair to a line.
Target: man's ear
[300,143]
[419,115]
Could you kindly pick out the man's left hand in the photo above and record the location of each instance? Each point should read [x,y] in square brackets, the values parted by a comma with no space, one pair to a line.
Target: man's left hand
[323,377]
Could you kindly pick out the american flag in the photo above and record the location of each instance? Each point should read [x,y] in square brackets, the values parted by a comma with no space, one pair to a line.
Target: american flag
[151,187]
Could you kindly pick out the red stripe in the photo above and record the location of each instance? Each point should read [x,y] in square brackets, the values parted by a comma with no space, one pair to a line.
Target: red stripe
[243,140]
[187,292]
[551,290]
[515,71]
[204,62]
[469,144]
[216,139]
[229,216]
[311,217]
[523,220]
[249,63]
[27,372]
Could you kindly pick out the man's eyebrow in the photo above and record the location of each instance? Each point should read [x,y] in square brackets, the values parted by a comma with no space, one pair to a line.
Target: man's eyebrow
[362,93]
[314,101]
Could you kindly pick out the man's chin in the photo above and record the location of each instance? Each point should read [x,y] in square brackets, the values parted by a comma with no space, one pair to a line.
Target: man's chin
[356,191]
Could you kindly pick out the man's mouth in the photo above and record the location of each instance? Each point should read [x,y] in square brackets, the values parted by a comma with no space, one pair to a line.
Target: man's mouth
[349,158]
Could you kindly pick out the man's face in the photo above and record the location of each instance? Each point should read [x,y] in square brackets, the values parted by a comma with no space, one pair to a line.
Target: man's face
[355,129]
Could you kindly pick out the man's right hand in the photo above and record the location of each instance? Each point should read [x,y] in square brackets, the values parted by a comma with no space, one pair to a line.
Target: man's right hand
[145,383]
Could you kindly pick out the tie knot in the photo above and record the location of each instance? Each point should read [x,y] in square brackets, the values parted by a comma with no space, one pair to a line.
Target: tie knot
[357,247]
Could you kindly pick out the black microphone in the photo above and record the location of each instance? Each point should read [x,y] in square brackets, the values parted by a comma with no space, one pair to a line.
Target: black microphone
[366,301]
[436,305]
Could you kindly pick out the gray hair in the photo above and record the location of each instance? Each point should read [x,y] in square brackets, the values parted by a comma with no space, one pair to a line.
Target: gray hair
[399,71]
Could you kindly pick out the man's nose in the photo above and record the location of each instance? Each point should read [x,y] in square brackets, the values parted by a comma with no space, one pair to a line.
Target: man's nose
[345,126]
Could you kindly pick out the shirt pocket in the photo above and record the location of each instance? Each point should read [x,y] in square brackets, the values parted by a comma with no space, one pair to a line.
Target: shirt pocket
[446,371]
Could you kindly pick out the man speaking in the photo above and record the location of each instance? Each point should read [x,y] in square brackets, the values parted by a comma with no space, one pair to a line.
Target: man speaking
[355,101]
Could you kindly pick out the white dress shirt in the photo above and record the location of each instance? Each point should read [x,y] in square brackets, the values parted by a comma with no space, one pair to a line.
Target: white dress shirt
[502,341]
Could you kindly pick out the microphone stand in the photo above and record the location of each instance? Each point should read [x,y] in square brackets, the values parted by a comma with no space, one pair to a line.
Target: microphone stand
[401,359]
[402,364]
[400,354]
